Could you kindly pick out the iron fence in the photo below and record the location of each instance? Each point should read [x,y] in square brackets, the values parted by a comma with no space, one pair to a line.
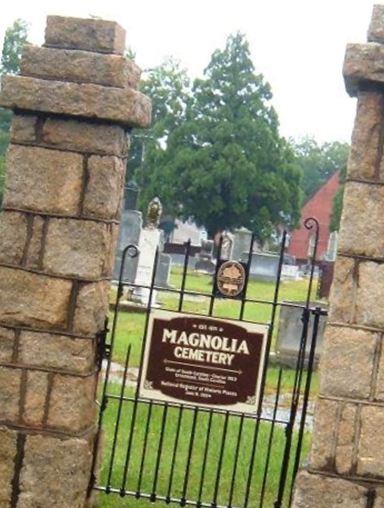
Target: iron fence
[181,453]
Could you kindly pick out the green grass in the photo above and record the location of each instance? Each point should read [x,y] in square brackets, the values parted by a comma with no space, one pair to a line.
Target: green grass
[267,433]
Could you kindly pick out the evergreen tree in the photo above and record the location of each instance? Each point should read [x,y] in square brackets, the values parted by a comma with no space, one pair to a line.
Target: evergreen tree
[226,164]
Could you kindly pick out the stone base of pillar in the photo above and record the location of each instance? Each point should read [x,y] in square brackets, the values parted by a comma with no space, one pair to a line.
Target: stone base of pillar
[313,490]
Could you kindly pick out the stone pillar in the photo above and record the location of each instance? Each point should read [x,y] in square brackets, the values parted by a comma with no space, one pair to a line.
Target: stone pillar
[73,102]
[346,466]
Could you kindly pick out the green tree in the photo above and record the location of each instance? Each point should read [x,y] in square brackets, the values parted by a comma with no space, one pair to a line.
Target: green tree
[167,85]
[337,208]
[226,164]
[319,162]
[14,41]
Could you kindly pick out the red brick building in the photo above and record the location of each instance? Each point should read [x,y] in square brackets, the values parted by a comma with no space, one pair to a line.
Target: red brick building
[320,207]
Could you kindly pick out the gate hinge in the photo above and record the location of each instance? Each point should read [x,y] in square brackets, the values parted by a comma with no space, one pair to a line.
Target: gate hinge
[103,349]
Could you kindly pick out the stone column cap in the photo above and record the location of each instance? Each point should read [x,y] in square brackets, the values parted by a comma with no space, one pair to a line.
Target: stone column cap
[88,34]
[376,27]
[363,63]
[124,106]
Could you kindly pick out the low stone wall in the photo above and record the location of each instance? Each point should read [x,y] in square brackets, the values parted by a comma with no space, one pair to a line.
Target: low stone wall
[73,102]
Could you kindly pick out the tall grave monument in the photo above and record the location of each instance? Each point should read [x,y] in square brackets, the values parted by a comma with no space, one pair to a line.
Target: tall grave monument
[346,467]
[149,243]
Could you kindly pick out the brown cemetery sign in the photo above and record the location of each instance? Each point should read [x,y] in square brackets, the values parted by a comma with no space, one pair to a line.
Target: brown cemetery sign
[204,361]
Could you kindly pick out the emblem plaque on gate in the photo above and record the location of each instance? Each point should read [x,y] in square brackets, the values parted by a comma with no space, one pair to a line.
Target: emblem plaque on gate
[203,361]
[230,279]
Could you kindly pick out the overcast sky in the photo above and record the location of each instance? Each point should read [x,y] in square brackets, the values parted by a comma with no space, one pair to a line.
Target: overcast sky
[297,44]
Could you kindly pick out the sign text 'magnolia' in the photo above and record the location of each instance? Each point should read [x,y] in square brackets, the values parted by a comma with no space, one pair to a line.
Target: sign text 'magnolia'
[203,361]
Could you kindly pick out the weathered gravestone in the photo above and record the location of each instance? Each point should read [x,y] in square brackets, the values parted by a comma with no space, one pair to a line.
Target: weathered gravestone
[205,261]
[346,466]
[290,331]
[129,234]
[242,239]
[65,172]
[264,266]
[163,270]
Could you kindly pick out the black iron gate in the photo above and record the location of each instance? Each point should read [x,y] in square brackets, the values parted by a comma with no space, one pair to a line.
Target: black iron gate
[178,452]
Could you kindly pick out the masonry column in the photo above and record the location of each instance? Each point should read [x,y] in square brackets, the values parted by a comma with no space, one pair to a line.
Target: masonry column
[347,458]
[73,103]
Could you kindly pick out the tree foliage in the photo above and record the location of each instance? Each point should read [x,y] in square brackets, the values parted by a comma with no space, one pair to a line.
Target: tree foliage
[14,41]
[337,209]
[223,161]
[15,38]
[167,85]
[318,162]
[337,206]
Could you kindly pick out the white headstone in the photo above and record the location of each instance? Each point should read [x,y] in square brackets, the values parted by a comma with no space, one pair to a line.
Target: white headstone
[332,246]
[148,243]
[227,245]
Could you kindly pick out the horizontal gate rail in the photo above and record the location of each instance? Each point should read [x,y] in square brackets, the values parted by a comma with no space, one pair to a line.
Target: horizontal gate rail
[203,409]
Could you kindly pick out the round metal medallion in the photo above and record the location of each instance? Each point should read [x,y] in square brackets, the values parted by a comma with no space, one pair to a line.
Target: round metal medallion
[231,278]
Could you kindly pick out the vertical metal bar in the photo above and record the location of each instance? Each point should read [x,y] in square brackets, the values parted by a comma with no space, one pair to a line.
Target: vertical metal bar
[268,348]
[236,460]
[204,465]
[159,451]
[175,446]
[310,223]
[134,410]
[147,426]
[118,418]
[300,359]
[292,416]
[270,440]
[119,294]
[188,465]
[149,305]
[221,456]
[311,358]
[278,278]
[103,403]
[218,257]
[184,275]
[249,262]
